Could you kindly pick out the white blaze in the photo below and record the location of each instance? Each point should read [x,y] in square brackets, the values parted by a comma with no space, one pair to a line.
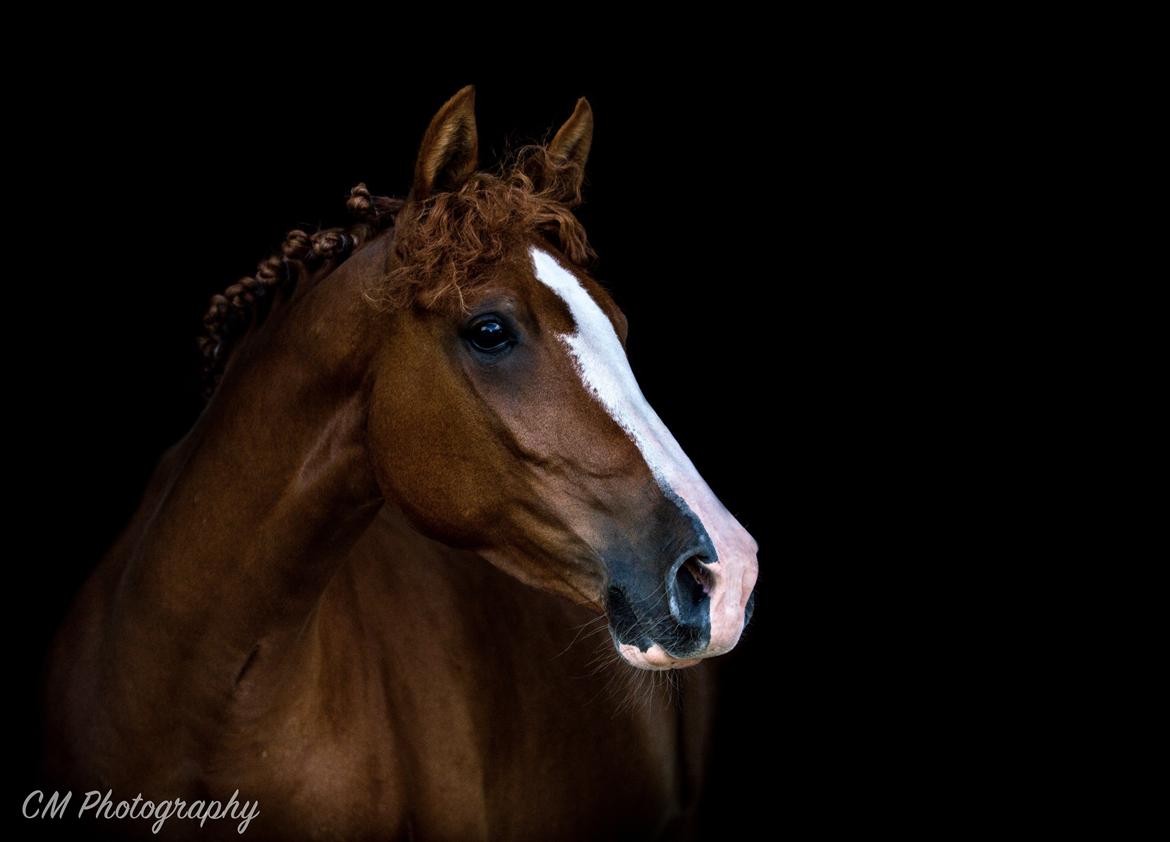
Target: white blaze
[605,370]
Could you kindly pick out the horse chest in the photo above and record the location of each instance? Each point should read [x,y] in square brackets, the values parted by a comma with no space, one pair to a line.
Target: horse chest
[457,767]
[473,729]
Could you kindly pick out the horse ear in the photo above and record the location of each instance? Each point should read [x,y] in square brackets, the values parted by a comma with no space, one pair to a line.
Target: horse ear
[571,145]
[450,149]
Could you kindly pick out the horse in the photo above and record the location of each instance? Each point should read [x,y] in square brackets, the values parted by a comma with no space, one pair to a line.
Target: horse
[427,565]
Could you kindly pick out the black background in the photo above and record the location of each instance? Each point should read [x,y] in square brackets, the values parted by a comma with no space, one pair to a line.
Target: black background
[715,198]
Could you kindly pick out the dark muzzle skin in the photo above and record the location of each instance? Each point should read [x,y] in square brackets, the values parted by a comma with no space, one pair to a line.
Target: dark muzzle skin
[659,590]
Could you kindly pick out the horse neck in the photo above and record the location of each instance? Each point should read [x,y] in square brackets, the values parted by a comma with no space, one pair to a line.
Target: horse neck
[248,517]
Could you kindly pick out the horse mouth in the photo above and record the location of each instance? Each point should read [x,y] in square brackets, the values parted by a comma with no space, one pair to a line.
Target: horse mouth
[633,641]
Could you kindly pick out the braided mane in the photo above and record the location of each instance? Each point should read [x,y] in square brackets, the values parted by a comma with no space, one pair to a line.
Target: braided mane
[234,311]
[443,245]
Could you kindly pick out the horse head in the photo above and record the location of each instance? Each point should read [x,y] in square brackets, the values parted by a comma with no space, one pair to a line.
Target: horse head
[505,418]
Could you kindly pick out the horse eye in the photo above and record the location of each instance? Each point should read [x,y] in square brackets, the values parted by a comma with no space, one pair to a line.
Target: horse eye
[489,335]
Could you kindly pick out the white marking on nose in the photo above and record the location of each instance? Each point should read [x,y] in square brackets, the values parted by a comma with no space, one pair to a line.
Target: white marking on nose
[605,370]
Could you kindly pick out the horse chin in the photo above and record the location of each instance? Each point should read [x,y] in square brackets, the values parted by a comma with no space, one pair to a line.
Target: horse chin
[655,658]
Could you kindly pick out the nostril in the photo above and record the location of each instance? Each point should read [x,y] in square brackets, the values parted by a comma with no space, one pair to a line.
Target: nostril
[690,588]
[694,566]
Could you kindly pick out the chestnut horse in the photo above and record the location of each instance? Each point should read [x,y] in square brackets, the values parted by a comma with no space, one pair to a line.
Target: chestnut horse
[362,589]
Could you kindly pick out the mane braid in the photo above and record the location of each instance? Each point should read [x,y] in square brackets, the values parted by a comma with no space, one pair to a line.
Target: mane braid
[244,304]
[444,247]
